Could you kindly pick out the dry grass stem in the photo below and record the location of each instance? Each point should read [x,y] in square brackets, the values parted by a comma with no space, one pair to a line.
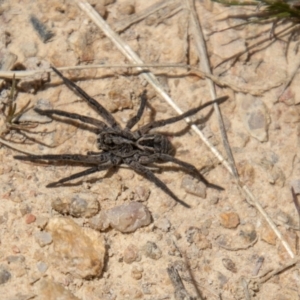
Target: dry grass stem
[12,146]
[245,288]
[146,68]
[268,275]
[205,65]
[239,248]
[258,265]
[258,206]
[297,205]
[180,291]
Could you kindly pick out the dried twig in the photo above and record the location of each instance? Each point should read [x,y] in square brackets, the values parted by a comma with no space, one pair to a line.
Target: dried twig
[180,291]
[238,248]
[297,204]
[245,288]
[258,265]
[254,202]
[25,74]
[202,52]
[268,275]
[189,70]
[10,145]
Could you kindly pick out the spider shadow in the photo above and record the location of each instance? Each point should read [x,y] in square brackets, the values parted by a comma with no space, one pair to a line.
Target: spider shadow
[199,122]
[109,174]
[76,124]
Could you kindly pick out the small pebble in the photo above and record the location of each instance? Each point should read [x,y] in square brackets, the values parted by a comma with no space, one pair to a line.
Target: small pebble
[15,259]
[24,209]
[125,218]
[61,205]
[3,218]
[15,249]
[77,206]
[142,193]
[214,200]
[255,116]
[30,218]
[229,220]
[49,289]
[163,224]
[43,32]
[29,49]
[42,267]
[283,217]
[193,186]
[191,232]
[81,207]
[107,2]
[4,275]
[248,233]
[127,9]
[291,115]
[296,185]
[151,250]
[222,279]
[119,101]
[77,250]
[137,272]
[131,254]
[268,235]
[34,277]
[17,265]
[43,238]
[7,61]
[194,235]
[229,265]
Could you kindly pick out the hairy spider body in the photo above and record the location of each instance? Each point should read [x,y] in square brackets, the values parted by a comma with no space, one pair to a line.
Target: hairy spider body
[117,146]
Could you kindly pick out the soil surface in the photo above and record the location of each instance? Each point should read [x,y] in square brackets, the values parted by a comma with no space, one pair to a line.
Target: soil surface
[50,246]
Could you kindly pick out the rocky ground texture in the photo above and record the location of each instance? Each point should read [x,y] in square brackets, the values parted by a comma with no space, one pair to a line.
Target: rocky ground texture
[115,235]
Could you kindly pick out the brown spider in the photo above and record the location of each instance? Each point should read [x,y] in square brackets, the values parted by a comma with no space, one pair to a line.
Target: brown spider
[136,149]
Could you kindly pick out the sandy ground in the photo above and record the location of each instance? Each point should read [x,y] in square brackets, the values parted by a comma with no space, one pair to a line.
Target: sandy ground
[218,246]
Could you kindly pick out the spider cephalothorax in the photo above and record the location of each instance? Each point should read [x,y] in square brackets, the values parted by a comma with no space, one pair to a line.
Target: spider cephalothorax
[136,149]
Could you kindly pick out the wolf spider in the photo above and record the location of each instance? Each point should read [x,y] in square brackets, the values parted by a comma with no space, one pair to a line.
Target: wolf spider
[136,149]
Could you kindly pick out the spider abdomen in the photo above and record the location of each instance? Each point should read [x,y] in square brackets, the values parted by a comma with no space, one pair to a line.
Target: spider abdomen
[155,143]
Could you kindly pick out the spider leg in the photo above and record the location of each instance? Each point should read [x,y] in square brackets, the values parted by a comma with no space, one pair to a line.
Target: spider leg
[93,160]
[187,166]
[136,118]
[150,176]
[80,174]
[91,101]
[190,112]
[84,119]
